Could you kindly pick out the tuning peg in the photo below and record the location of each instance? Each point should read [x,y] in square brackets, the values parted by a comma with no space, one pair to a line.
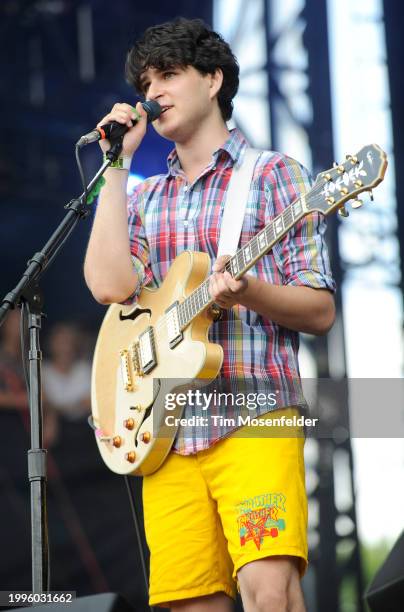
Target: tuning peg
[356,203]
[352,158]
[343,212]
[371,195]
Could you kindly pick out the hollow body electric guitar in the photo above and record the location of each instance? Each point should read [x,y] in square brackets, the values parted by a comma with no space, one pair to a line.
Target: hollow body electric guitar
[144,348]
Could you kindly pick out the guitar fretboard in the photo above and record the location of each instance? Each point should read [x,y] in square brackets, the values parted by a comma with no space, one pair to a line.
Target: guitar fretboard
[243,260]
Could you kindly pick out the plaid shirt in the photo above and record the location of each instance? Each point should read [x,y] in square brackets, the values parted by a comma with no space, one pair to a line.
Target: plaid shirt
[167,215]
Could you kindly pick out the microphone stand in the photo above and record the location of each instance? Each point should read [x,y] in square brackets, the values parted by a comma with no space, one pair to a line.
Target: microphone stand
[28,295]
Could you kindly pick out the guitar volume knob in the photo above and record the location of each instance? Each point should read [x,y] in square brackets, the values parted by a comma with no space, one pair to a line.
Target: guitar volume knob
[146,437]
[129,424]
[117,441]
[131,457]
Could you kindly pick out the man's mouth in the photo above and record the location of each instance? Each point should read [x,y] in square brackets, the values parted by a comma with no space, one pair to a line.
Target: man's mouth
[165,109]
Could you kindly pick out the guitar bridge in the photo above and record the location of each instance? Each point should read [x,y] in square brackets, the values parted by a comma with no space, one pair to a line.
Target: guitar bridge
[174,332]
[135,350]
[125,370]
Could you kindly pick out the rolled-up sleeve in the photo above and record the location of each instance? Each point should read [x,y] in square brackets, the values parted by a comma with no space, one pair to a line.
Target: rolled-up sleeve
[139,247]
[302,255]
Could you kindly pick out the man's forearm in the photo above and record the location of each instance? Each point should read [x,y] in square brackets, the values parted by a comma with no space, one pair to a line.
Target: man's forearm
[108,268]
[296,307]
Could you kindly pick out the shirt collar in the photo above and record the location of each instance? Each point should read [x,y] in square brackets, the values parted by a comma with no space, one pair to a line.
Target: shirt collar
[232,150]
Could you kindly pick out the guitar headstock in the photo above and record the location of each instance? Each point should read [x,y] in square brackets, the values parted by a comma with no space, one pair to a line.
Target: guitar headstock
[343,182]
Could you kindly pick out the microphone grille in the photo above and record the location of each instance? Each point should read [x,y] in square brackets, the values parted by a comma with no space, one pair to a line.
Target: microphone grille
[153,109]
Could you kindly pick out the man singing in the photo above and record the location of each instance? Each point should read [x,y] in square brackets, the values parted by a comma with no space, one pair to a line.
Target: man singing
[223,511]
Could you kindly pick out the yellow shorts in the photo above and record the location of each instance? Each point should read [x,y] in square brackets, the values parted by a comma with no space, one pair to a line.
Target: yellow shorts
[207,515]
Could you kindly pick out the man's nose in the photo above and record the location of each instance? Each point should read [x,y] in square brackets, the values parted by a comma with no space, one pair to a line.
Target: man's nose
[155,90]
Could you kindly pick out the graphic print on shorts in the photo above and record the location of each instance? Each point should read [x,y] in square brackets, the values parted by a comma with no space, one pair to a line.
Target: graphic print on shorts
[260,517]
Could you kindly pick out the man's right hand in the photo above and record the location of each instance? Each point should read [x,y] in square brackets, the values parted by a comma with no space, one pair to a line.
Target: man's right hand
[124,113]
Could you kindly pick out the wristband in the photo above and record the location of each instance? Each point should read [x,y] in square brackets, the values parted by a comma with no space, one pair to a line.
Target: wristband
[138,116]
[122,163]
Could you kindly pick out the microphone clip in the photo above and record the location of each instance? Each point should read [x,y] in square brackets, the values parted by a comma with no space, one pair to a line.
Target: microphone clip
[115,150]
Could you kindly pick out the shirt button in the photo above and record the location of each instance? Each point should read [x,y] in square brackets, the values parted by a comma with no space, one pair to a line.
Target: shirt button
[186,188]
[185,223]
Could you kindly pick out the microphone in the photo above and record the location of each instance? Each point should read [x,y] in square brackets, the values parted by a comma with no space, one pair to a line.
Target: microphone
[114,130]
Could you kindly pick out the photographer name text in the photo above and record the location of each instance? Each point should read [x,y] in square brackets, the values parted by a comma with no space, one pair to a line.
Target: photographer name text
[217,420]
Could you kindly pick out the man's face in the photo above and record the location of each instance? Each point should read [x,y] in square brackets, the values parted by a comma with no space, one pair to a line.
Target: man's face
[187,97]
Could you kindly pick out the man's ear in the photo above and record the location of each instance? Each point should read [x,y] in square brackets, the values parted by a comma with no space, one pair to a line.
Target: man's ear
[216,80]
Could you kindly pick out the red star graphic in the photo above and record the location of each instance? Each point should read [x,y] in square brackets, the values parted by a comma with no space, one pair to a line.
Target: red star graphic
[256,531]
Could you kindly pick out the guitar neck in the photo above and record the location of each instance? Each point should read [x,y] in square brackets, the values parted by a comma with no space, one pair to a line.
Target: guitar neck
[244,259]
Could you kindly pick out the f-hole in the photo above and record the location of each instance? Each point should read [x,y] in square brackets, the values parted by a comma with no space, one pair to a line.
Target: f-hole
[148,411]
[134,314]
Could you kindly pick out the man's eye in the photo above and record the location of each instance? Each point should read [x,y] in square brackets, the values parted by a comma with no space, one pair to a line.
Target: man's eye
[169,74]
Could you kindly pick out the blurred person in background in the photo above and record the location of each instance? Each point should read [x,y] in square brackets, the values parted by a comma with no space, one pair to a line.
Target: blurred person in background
[14,412]
[67,374]
[13,392]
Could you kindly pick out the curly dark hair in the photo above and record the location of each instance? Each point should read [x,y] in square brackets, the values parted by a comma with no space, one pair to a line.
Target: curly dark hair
[181,43]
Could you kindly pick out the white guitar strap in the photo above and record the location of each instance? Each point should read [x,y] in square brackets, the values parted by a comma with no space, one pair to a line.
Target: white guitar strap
[236,203]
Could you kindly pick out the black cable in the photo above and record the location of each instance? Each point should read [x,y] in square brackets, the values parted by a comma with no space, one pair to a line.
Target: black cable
[82,175]
[24,332]
[138,537]
[24,340]
[24,343]
[91,421]
[64,238]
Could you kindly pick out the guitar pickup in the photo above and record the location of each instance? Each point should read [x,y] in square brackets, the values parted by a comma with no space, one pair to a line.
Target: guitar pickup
[174,332]
[147,350]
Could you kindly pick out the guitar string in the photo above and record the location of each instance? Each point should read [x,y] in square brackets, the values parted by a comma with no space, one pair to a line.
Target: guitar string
[314,191]
[163,321]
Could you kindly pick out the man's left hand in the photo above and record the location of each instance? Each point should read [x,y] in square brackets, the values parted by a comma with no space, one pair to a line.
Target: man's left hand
[223,288]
